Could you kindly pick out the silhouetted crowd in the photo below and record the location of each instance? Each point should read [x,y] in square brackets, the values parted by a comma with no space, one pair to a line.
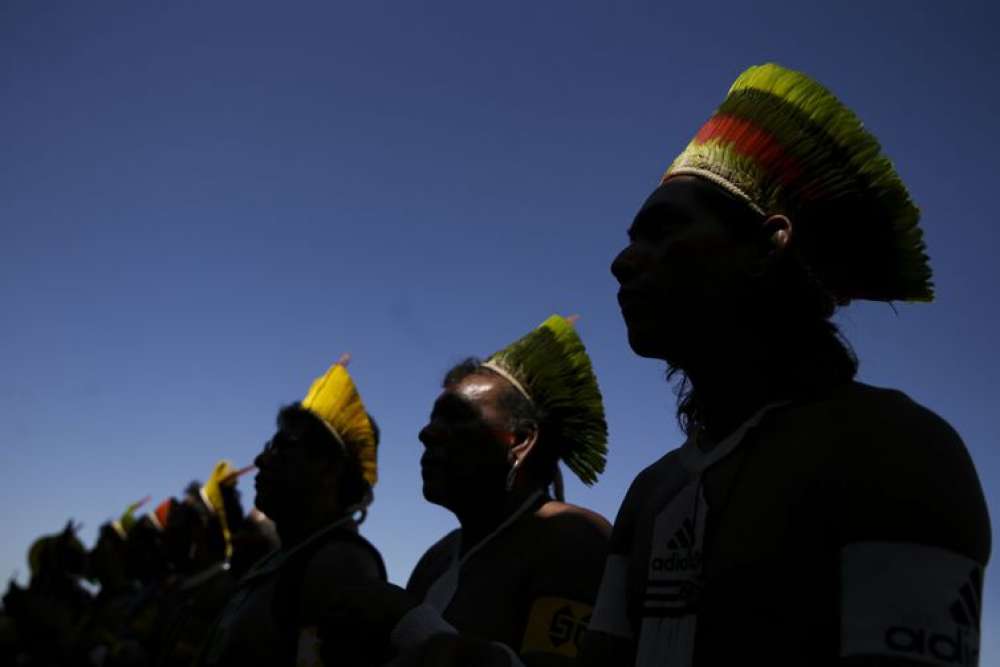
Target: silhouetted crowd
[160,583]
[806,519]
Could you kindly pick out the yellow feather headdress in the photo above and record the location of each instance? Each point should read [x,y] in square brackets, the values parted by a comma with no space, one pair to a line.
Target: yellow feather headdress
[335,400]
[223,474]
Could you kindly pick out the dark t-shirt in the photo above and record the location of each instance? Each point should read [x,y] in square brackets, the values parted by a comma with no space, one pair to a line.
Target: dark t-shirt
[848,527]
[271,618]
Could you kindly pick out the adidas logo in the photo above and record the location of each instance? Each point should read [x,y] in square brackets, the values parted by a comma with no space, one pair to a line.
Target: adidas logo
[965,610]
[676,562]
[961,648]
[684,537]
[684,558]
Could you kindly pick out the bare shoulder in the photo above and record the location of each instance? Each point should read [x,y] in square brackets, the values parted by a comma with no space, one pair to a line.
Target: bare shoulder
[561,516]
[563,547]
[557,526]
[432,564]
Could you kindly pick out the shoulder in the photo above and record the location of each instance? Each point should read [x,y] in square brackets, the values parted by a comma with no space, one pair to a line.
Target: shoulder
[434,561]
[344,556]
[572,520]
[870,429]
[872,412]
[557,527]
[642,491]
[902,472]
[563,548]
[441,551]
[863,430]
[652,476]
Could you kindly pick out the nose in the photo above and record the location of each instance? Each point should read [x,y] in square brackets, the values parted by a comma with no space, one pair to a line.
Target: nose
[425,436]
[623,267]
[261,459]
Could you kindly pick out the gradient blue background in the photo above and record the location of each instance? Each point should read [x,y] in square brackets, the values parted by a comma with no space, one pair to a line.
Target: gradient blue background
[202,204]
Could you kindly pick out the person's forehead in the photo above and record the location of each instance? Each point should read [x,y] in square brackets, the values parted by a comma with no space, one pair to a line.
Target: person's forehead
[682,193]
[291,429]
[477,393]
[693,199]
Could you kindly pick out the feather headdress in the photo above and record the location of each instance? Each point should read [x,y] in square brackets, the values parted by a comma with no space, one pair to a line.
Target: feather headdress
[223,474]
[123,524]
[550,367]
[335,400]
[784,144]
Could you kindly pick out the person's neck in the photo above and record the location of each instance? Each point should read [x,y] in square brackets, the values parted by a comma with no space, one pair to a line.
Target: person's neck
[728,393]
[732,382]
[486,514]
[297,528]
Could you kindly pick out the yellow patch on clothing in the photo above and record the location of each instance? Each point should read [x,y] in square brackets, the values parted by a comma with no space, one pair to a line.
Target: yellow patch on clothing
[556,625]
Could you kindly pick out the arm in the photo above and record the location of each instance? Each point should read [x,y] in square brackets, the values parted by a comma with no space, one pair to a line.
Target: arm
[564,587]
[567,548]
[610,638]
[915,538]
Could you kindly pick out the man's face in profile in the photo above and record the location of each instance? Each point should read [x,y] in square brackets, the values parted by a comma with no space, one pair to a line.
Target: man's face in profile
[684,269]
[289,473]
[464,451]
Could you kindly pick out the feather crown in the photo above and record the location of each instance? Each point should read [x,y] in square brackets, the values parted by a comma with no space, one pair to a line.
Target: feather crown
[123,524]
[336,401]
[784,144]
[551,368]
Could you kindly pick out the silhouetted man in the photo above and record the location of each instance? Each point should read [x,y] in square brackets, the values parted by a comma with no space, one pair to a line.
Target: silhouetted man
[314,475]
[808,519]
[196,537]
[522,570]
[44,615]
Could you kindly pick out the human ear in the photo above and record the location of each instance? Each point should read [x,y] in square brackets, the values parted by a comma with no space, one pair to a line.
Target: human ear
[524,442]
[778,230]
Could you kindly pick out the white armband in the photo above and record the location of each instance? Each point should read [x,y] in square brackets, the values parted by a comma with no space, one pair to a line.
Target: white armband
[610,611]
[418,625]
[911,601]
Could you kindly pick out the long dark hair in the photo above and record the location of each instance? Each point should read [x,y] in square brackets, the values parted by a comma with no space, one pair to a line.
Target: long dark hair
[790,303]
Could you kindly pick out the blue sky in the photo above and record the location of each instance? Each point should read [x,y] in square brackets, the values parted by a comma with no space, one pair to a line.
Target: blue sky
[204,204]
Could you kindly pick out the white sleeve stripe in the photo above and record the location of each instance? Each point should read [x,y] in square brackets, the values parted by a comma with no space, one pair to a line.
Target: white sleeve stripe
[611,609]
[911,601]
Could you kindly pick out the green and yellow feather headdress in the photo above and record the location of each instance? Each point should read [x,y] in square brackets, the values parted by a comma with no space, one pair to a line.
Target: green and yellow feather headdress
[550,367]
[784,144]
[335,400]
[123,524]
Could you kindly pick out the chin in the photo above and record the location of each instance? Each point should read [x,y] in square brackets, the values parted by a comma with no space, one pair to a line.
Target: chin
[434,494]
[661,340]
[645,341]
[261,502]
